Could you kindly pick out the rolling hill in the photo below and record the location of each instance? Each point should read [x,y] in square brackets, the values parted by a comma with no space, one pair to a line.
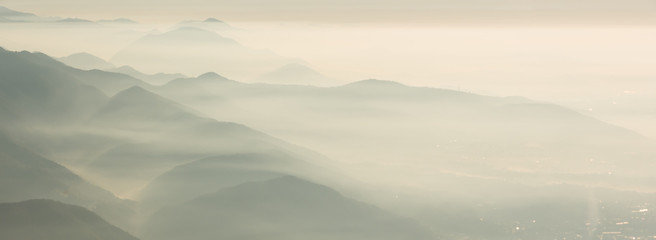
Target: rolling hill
[282,208]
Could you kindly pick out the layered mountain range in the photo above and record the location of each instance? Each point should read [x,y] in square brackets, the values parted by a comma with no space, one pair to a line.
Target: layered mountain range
[91,150]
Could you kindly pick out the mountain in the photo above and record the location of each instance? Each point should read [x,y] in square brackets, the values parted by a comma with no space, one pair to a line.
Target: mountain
[295,73]
[202,177]
[198,87]
[212,20]
[190,180]
[210,88]
[6,12]
[124,141]
[41,86]
[417,127]
[282,208]
[208,50]
[201,89]
[177,136]
[75,20]
[8,15]
[37,88]
[26,175]
[135,108]
[154,79]
[110,83]
[85,61]
[48,219]
[45,103]
[209,79]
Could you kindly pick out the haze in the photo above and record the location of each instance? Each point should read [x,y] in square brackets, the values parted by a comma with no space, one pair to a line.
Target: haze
[286,119]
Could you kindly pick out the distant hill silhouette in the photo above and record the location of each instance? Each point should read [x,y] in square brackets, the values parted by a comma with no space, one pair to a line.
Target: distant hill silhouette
[76,20]
[85,61]
[154,79]
[196,87]
[204,176]
[206,49]
[203,80]
[282,208]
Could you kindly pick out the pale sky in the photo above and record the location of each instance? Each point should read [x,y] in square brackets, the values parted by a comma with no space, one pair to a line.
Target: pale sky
[329,10]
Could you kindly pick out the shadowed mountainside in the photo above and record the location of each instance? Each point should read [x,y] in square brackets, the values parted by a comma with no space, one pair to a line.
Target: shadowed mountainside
[25,175]
[47,219]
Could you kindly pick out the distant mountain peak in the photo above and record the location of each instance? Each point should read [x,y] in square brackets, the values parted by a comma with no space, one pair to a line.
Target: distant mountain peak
[205,80]
[127,68]
[135,90]
[212,75]
[213,20]
[75,20]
